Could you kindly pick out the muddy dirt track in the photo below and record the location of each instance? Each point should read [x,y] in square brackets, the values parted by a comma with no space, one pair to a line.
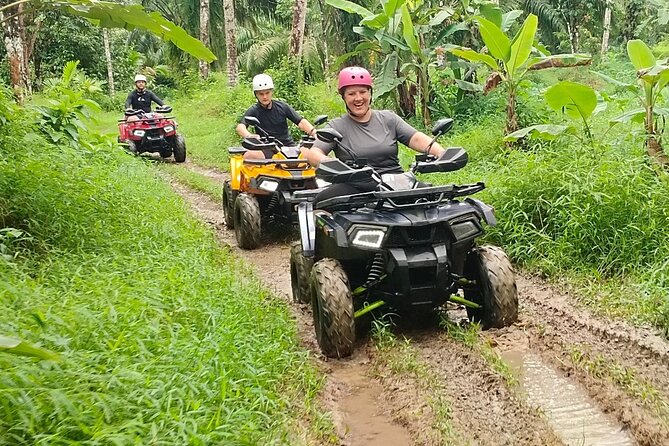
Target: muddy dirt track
[583,380]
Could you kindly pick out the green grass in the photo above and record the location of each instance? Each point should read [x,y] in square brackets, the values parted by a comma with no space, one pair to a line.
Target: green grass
[400,357]
[165,338]
[636,387]
[194,180]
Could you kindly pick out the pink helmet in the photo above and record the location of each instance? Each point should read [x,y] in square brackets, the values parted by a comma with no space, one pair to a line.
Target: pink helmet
[354,76]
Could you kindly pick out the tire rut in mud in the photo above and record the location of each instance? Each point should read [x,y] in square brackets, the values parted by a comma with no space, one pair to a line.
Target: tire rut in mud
[584,346]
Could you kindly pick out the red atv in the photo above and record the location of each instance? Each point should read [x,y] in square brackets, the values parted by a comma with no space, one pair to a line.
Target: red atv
[152,132]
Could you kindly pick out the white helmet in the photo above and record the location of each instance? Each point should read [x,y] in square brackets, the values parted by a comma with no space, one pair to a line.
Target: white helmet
[262,82]
[140,77]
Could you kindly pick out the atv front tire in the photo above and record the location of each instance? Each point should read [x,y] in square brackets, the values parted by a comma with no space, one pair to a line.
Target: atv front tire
[332,308]
[247,221]
[495,288]
[300,268]
[228,205]
[179,149]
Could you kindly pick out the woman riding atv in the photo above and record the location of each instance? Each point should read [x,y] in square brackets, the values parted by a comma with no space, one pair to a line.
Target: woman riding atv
[272,115]
[370,134]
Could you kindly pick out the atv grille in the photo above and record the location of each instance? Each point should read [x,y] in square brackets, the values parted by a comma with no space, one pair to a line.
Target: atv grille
[296,184]
[417,235]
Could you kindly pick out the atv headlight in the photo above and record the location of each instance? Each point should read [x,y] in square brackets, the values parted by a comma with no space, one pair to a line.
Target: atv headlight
[168,128]
[269,185]
[465,229]
[322,183]
[367,236]
[139,133]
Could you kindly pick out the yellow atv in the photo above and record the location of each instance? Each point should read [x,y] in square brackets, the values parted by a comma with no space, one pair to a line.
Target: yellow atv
[261,191]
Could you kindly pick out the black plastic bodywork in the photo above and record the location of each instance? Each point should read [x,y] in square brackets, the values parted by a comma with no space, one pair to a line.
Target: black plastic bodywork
[424,246]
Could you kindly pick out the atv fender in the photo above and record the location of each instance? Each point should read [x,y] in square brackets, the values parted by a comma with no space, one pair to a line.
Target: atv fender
[487,210]
[305,215]
[236,172]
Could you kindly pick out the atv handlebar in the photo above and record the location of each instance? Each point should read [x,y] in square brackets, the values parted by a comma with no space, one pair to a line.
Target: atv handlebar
[423,196]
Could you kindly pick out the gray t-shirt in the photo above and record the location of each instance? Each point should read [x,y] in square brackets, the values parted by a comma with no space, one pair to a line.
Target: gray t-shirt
[375,139]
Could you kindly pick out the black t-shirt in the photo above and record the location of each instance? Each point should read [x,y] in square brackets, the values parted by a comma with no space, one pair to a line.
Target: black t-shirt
[273,120]
[142,100]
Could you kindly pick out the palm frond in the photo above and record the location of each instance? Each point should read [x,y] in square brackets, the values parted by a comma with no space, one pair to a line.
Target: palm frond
[550,19]
[262,55]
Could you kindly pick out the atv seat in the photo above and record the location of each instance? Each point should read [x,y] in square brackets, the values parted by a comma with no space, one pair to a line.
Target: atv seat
[256,144]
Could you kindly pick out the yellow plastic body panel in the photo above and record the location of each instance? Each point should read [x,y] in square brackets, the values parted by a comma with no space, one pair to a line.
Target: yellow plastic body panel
[236,162]
[241,173]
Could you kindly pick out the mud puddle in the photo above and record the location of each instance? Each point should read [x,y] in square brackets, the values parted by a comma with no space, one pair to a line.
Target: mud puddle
[622,368]
[571,413]
[355,399]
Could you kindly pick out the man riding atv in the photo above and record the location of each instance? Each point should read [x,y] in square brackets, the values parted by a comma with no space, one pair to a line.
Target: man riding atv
[145,131]
[140,98]
[272,116]
[371,134]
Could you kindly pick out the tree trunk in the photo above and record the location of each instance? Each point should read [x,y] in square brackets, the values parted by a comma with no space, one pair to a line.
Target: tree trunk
[326,55]
[655,151]
[424,86]
[607,27]
[511,118]
[297,30]
[407,99]
[204,35]
[575,39]
[230,42]
[13,34]
[108,57]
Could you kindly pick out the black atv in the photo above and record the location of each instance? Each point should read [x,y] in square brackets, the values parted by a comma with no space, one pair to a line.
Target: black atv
[408,247]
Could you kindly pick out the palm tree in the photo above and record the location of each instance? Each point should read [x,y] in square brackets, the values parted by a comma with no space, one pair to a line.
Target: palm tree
[230,42]
[297,31]
[15,43]
[565,15]
[204,35]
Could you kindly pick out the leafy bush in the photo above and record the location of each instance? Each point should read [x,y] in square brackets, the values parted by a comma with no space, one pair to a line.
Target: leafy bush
[65,111]
[164,338]
[289,87]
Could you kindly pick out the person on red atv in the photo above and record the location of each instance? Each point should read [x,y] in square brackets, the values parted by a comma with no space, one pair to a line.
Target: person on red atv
[273,116]
[140,98]
[370,134]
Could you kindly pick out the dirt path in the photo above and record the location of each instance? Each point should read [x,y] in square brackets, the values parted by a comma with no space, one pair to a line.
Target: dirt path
[623,370]
[353,397]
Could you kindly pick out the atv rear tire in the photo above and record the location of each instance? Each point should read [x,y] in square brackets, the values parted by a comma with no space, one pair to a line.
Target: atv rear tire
[131,147]
[300,268]
[228,205]
[495,287]
[332,308]
[247,221]
[179,149]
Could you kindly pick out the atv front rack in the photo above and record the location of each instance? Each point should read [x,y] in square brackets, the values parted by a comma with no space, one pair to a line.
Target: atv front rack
[284,164]
[400,199]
